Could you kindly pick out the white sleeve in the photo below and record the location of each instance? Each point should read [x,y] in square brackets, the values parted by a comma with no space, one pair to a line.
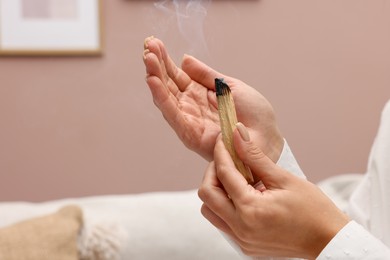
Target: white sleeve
[369,204]
[354,242]
[288,162]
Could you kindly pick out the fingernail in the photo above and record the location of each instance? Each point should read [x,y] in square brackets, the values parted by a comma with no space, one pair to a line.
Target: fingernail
[243,131]
[147,39]
[146,51]
[260,186]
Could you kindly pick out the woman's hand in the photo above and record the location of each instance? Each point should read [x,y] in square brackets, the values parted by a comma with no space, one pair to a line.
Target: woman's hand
[284,217]
[186,97]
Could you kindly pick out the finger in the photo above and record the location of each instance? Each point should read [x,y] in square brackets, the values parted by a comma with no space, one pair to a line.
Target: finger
[152,45]
[261,166]
[162,97]
[153,60]
[156,65]
[231,179]
[158,85]
[200,72]
[173,73]
[181,79]
[215,197]
[215,220]
[154,68]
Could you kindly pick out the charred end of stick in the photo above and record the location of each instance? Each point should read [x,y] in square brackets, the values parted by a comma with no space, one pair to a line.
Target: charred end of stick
[221,87]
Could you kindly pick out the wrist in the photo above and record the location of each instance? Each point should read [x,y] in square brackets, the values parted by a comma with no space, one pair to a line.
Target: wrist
[325,235]
[274,146]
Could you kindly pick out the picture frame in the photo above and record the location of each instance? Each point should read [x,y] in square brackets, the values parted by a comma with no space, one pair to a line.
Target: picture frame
[50,27]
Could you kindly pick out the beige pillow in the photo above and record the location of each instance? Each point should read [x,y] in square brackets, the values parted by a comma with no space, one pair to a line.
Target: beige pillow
[51,237]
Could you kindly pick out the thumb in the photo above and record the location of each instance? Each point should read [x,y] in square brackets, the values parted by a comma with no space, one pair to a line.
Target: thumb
[200,72]
[263,168]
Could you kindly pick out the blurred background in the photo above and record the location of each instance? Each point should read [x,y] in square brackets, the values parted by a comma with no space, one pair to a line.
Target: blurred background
[76,126]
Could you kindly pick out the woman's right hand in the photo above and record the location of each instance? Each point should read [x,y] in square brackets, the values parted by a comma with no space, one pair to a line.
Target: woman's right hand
[286,216]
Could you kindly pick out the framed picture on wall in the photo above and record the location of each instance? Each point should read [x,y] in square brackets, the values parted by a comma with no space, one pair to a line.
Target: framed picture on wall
[50,27]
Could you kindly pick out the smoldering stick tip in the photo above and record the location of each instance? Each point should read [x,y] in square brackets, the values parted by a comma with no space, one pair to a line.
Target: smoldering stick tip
[220,86]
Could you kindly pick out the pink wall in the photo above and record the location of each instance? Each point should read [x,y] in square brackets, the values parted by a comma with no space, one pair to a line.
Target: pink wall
[86,126]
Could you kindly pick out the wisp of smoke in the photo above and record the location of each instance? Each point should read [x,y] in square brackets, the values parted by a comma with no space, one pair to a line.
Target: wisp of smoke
[190,16]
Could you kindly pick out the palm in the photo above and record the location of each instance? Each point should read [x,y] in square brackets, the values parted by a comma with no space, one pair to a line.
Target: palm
[196,122]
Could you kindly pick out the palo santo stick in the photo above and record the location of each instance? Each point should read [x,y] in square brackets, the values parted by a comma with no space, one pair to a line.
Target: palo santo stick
[228,119]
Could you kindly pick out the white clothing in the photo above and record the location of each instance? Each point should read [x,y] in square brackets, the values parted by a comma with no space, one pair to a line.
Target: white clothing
[369,205]
[354,242]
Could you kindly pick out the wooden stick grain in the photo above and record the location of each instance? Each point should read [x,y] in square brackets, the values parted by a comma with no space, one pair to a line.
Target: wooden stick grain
[228,121]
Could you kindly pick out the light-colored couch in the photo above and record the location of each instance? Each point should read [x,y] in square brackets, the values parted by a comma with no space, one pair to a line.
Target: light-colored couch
[163,225]
[160,225]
